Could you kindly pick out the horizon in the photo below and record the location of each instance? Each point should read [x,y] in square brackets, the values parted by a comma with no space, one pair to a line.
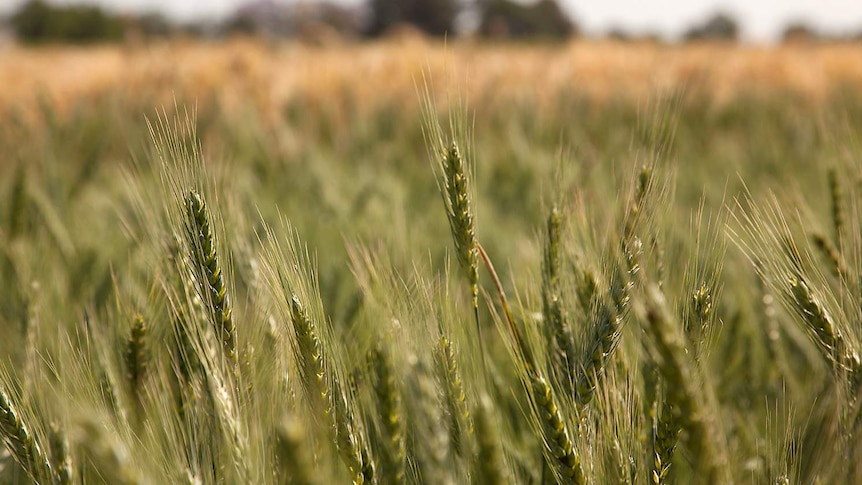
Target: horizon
[762,21]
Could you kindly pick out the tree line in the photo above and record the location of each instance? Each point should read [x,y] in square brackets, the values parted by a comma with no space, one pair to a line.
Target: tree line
[38,21]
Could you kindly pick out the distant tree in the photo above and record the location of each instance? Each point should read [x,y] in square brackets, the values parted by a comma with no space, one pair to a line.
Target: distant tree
[153,25]
[799,32]
[285,20]
[720,26]
[259,17]
[37,21]
[434,17]
[618,34]
[33,21]
[241,24]
[507,18]
[345,21]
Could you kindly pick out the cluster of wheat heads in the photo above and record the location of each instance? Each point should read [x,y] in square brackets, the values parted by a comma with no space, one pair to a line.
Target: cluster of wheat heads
[816,278]
[220,363]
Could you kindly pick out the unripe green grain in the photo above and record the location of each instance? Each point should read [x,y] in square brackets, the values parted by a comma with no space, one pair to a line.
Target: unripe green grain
[203,245]
[21,443]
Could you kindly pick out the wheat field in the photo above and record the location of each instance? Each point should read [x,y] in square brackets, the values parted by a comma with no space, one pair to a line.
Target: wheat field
[249,262]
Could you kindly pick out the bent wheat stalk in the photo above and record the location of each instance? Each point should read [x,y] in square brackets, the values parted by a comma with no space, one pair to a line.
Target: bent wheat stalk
[558,447]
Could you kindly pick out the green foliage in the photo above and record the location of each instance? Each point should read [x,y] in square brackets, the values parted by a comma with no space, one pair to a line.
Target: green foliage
[38,21]
[542,19]
[434,17]
[719,27]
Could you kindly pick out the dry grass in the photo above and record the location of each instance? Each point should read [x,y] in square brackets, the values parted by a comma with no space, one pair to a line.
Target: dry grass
[271,75]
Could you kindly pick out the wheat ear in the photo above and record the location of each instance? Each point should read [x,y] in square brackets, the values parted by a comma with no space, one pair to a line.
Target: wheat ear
[325,395]
[456,200]
[665,435]
[136,359]
[561,343]
[61,456]
[609,316]
[605,339]
[607,323]
[21,443]
[488,466]
[392,418]
[827,335]
[558,445]
[461,425]
[460,215]
[684,391]
[837,199]
[430,433]
[832,254]
[203,245]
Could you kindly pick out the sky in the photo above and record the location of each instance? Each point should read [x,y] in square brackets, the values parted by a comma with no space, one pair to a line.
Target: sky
[762,20]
